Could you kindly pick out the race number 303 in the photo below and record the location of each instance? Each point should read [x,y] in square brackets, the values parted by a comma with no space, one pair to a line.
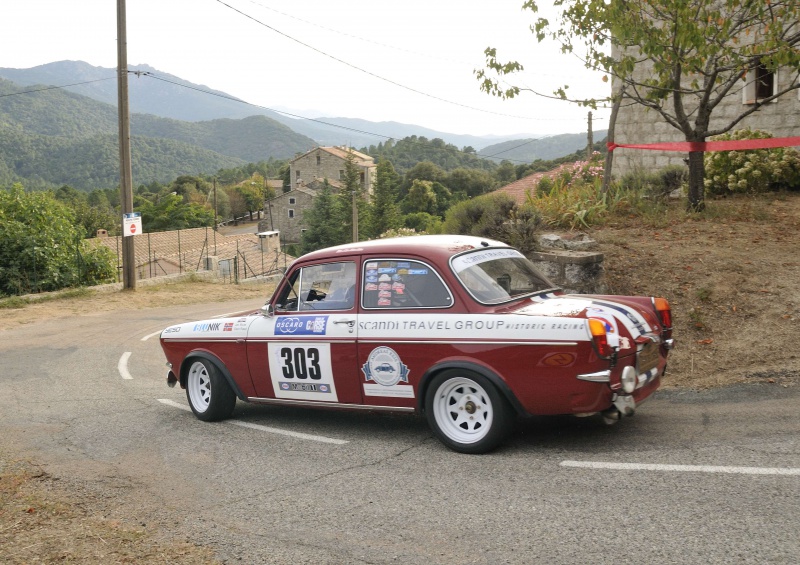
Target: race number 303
[293,363]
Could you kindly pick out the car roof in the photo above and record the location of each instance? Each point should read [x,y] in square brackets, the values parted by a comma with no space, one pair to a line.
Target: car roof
[440,247]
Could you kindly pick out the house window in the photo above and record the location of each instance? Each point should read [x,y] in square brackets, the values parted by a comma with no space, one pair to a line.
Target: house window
[319,160]
[297,174]
[292,201]
[760,83]
[361,177]
[341,174]
[291,213]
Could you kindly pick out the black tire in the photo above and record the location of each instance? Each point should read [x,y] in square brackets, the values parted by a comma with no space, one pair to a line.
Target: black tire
[466,412]
[209,395]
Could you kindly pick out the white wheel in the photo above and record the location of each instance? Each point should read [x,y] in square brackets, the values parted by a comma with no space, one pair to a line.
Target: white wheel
[209,395]
[466,412]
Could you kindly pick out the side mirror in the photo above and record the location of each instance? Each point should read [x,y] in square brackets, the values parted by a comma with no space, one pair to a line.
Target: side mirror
[267,310]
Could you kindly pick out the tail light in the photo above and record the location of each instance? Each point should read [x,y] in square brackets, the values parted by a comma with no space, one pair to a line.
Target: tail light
[664,315]
[597,328]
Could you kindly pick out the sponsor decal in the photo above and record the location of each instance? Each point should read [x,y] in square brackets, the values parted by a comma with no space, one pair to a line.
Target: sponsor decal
[305,387]
[228,327]
[384,278]
[463,261]
[370,286]
[467,325]
[384,286]
[385,367]
[384,302]
[372,265]
[207,327]
[402,271]
[418,271]
[301,325]
[372,279]
[172,330]
[372,272]
[403,265]
[385,294]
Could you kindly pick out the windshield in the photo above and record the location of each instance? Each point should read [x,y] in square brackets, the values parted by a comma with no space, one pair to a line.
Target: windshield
[493,276]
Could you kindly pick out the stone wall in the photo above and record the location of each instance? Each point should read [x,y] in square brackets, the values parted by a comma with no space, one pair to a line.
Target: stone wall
[571,262]
[577,272]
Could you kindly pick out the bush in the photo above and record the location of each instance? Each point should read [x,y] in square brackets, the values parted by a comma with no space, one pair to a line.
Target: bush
[41,247]
[495,216]
[752,171]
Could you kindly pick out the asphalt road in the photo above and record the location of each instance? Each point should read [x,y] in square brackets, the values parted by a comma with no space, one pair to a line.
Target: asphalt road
[694,477]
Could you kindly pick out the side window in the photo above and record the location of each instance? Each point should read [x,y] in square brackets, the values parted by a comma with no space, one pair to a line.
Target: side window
[331,286]
[395,283]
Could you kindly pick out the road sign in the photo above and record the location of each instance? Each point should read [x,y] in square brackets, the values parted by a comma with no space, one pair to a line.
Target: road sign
[131,224]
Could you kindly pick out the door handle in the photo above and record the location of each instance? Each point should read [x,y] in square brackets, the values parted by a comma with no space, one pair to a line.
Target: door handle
[350,323]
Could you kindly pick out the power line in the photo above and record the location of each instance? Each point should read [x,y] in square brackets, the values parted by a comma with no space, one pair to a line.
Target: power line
[352,66]
[55,87]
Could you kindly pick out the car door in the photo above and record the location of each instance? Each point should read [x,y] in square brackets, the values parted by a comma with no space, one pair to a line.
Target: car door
[304,349]
[403,330]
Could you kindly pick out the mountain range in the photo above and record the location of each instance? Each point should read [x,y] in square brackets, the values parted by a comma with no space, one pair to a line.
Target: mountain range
[179,127]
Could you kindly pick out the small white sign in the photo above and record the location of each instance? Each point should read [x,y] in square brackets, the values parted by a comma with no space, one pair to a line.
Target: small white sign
[132,224]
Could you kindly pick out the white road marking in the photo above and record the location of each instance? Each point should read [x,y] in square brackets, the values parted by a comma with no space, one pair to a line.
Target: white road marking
[683,468]
[145,338]
[122,366]
[261,428]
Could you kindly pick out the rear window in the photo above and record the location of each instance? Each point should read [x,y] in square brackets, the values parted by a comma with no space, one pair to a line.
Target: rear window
[396,283]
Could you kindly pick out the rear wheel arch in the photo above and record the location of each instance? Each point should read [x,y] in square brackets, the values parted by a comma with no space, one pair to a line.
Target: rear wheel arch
[476,368]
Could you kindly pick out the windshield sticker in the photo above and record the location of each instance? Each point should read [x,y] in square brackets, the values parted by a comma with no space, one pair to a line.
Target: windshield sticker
[465,261]
[301,325]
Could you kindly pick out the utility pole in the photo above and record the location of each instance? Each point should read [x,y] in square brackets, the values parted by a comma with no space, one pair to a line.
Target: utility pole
[590,147]
[355,217]
[125,173]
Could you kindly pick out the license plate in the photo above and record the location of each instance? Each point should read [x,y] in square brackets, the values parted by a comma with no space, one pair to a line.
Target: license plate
[647,358]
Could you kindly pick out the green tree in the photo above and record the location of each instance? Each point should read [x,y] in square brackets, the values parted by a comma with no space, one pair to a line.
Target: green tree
[350,195]
[41,247]
[324,230]
[420,198]
[385,213]
[172,213]
[679,59]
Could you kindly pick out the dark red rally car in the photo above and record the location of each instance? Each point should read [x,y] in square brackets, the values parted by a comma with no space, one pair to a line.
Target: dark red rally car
[462,329]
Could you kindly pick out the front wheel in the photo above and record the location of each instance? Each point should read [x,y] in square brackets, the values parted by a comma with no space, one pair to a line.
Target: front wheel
[209,395]
[466,412]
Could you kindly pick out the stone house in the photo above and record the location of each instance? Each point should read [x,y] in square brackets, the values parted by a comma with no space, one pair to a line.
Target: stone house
[284,213]
[308,173]
[328,163]
[636,124]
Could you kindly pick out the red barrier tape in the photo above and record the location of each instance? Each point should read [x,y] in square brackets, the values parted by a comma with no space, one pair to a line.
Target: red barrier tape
[691,146]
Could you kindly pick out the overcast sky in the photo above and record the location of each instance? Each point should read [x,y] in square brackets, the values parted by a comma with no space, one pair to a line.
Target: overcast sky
[409,61]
